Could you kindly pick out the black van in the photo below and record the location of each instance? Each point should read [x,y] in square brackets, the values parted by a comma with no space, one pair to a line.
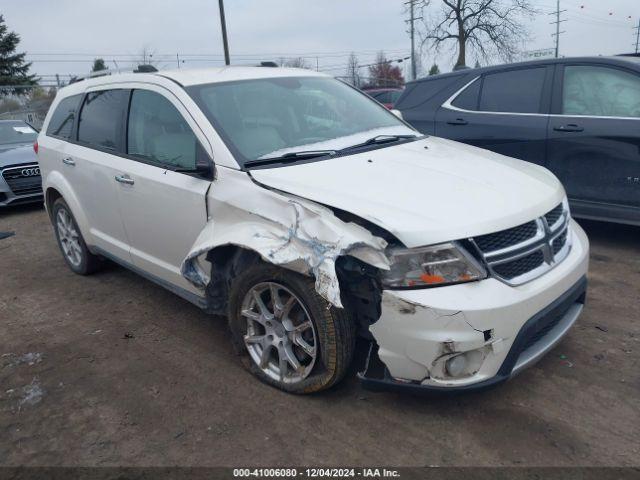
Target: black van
[579,117]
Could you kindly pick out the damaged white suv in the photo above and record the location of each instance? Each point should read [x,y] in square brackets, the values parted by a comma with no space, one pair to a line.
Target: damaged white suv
[309,214]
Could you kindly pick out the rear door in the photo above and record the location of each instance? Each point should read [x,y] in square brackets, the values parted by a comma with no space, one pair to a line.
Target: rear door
[92,161]
[594,135]
[163,210]
[505,111]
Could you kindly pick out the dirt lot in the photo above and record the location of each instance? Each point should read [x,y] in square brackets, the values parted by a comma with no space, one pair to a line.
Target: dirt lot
[112,370]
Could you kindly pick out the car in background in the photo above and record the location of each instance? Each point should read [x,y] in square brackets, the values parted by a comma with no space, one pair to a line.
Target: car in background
[579,117]
[20,180]
[386,96]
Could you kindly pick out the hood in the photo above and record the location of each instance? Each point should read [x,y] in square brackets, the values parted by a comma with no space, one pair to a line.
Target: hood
[425,192]
[17,154]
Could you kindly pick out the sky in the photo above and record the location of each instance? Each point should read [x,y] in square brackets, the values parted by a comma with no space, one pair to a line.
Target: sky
[63,36]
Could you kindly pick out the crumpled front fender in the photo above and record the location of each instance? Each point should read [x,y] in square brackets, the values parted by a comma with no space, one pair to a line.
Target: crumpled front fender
[284,230]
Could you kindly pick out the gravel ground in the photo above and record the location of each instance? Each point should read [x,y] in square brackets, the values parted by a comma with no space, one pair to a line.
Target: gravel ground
[113,370]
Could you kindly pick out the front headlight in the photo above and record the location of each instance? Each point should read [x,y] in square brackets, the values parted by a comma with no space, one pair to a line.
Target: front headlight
[431,266]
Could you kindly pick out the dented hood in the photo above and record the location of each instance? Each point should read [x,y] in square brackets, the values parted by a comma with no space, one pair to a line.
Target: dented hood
[425,192]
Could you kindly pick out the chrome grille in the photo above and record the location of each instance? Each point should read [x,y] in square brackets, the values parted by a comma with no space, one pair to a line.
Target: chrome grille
[554,215]
[516,268]
[520,254]
[506,238]
[23,179]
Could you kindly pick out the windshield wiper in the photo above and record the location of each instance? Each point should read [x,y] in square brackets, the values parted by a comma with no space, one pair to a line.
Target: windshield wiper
[290,157]
[379,140]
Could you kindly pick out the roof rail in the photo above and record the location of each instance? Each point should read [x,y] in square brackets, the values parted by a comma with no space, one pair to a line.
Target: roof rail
[142,68]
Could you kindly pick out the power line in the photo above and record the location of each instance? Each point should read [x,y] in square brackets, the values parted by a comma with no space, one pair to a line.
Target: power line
[309,54]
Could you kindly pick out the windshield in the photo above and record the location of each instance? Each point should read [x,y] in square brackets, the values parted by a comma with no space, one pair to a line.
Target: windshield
[265,118]
[16,132]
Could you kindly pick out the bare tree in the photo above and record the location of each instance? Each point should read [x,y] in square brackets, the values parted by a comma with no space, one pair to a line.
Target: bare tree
[297,62]
[384,74]
[353,70]
[145,57]
[490,27]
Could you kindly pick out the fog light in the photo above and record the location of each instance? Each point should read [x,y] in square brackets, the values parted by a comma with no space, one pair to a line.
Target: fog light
[457,365]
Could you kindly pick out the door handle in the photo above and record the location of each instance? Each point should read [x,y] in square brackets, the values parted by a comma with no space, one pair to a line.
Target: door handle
[572,127]
[458,121]
[126,179]
[69,161]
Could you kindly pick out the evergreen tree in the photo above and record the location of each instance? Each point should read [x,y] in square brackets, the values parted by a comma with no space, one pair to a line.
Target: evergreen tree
[13,68]
[434,70]
[98,65]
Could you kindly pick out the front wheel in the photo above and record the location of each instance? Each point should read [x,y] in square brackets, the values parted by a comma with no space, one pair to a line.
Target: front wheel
[289,336]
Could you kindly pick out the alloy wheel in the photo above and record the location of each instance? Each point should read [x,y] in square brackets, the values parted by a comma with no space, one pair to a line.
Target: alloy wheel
[69,237]
[280,337]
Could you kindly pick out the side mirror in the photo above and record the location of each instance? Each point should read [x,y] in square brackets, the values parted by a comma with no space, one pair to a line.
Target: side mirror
[397,113]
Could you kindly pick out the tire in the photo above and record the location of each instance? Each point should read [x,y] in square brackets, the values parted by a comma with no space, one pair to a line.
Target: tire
[72,245]
[330,337]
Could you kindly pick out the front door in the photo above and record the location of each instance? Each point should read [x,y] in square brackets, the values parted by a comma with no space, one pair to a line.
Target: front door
[594,140]
[505,112]
[163,201]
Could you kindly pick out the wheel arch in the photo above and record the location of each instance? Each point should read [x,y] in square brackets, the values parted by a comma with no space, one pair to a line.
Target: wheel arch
[359,282]
[56,186]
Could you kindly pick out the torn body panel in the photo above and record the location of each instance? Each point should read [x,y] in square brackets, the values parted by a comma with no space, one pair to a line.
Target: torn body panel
[283,229]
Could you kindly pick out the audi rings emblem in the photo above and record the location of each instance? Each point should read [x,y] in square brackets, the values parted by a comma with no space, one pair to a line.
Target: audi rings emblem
[30,172]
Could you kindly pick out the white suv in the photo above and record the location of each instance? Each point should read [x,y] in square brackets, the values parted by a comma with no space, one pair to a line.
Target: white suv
[309,214]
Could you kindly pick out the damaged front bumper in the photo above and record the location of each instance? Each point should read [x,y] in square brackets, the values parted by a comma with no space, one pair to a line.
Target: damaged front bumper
[493,329]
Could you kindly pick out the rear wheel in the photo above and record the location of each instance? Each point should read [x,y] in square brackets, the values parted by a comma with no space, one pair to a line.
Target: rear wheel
[289,336]
[74,249]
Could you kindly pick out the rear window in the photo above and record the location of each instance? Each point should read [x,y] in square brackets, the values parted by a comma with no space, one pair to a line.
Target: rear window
[423,91]
[101,118]
[382,97]
[61,123]
[516,91]
[16,132]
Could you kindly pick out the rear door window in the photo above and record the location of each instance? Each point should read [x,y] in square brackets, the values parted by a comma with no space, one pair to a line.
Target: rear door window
[600,91]
[468,99]
[158,133]
[101,118]
[515,91]
[61,123]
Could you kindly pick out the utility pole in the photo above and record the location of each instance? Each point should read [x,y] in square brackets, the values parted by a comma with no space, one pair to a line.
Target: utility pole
[637,29]
[413,42]
[557,23]
[412,32]
[225,43]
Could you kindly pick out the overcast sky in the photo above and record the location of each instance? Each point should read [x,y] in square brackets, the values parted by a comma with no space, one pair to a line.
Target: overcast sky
[63,36]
